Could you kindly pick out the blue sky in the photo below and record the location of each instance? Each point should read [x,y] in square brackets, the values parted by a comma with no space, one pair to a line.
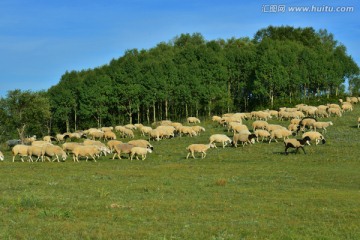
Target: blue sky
[42,39]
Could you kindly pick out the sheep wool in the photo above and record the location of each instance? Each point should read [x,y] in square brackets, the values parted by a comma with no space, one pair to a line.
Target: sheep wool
[201,148]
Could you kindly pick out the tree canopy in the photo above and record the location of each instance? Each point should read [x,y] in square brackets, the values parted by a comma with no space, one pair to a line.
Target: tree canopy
[192,76]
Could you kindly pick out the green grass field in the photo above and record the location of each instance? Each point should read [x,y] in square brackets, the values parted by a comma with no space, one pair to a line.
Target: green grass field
[251,192]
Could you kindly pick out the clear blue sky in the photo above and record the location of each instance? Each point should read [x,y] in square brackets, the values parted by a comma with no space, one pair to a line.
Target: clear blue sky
[41,39]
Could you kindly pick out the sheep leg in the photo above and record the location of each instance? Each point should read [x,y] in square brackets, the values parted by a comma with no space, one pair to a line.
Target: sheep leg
[93,157]
[187,156]
[303,149]
[143,157]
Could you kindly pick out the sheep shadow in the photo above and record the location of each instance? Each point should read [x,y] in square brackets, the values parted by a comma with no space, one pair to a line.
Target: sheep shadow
[283,153]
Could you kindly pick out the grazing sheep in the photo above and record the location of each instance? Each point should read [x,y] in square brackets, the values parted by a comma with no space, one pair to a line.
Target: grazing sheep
[280,133]
[1,156]
[145,130]
[201,148]
[220,138]
[49,139]
[122,148]
[37,151]
[295,121]
[21,150]
[315,136]
[62,137]
[261,133]
[105,129]
[96,134]
[154,134]
[85,151]
[192,120]
[40,143]
[272,127]
[69,146]
[296,143]
[198,129]
[244,138]
[130,126]
[239,128]
[347,107]
[306,122]
[293,127]
[322,125]
[103,149]
[52,150]
[77,135]
[141,143]
[11,143]
[128,133]
[136,151]
[322,112]
[109,135]
[111,144]
[259,124]
[187,130]
[335,111]
[166,131]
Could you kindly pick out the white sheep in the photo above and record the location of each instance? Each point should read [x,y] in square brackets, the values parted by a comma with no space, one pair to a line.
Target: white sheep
[272,127]
[122,148]
[141,143]
[105,129]
[306,123]
[62,137]
[1,156]
[315,136]
[244,138]
[192,120]
[112,143]
[21,150]
[296,143]
[52,150]
[201,148]
[166,131]
[96,134]
[187,130]
[239,128]
[322,125]
[280,133]
[198,129]
[85,151]
[137,151]
[222,138]
[103,149]
[37,151]
[145,130]
[109,135]
[154,134]
[128,133]
[259,124]
[69,146]
[335,111]
[130,126]
[49,139]
[261,133]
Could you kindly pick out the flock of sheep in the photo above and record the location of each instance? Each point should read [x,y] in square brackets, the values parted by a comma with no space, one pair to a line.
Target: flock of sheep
[103,141]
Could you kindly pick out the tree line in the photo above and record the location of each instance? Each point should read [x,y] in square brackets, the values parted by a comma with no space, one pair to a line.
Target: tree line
[189,76]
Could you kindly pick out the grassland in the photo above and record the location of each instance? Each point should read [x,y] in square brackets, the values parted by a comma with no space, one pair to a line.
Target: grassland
[255,192]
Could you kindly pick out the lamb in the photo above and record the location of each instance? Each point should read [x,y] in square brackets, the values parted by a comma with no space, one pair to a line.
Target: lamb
[315,136]
[220,138]
[192,120]
[259,124]
[52,150]
[122,148]
[1,156]
[85,151]
[261,133]
[136,151]
[21,150]
[322,125]
[201,148]
[109,135]
[141,143]
[280,133]
[244,138]
[111,144]
[296,143]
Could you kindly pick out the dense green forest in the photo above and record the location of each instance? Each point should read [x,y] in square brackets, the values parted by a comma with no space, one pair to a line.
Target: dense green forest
[189,76]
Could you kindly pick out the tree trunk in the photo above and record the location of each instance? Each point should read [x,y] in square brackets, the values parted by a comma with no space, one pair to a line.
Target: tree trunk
[67,125]
[186,110]
[209,108]
[154,112]
[138,113]
[75,119]
[148,115]
[21,132]
[166,109]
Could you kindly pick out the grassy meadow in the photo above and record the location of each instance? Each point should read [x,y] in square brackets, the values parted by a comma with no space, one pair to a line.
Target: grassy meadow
[251,192]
